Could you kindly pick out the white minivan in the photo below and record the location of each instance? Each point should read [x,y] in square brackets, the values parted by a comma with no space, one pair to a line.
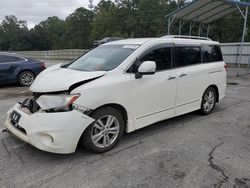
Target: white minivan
[119,87]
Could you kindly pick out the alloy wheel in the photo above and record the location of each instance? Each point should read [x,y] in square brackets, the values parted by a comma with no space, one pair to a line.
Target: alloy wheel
[105,131]
[209,101]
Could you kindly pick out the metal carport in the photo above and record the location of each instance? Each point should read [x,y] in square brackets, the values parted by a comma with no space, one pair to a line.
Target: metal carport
[205,13]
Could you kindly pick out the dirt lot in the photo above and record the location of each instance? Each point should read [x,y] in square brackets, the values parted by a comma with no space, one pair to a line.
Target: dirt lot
[188,151]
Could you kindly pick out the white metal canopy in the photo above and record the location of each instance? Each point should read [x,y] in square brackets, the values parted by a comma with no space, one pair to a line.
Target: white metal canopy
[205,12]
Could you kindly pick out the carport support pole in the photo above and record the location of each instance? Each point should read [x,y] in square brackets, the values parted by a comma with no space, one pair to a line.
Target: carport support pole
[208,29]
[190,29]
[180,26]
[243,37]
[199,30]
[168,25]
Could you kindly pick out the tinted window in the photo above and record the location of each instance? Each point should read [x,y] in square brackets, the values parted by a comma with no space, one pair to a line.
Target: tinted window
[187,56]
[6,59]
[161,56]
[212,53]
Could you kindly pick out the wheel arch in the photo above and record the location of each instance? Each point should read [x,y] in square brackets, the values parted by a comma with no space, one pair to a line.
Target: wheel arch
[118,107]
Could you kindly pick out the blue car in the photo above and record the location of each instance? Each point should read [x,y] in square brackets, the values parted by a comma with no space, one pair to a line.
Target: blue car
[17,69]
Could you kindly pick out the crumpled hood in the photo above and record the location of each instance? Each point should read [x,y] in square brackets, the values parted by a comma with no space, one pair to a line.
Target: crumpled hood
[55,79]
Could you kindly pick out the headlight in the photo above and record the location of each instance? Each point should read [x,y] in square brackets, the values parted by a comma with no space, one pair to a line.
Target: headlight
[56,102]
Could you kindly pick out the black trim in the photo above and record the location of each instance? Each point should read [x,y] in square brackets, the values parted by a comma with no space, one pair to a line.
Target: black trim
[155,113]
[76,85]
[188,103]
[215,71]
[139,75]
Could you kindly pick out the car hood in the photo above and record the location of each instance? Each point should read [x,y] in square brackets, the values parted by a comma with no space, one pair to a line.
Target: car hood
[56,79]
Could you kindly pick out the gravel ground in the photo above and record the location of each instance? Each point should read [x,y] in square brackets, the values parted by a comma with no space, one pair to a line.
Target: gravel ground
[188,151]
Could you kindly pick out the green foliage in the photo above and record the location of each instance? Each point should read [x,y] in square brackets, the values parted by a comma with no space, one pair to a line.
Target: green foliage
[13,34]
[117,18]
[78,28]
[48,34]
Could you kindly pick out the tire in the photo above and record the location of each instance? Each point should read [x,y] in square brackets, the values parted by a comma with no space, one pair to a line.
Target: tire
[102,136]
[26,78]
[208,101]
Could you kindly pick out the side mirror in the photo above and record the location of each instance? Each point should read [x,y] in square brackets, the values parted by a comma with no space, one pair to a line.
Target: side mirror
[146,68]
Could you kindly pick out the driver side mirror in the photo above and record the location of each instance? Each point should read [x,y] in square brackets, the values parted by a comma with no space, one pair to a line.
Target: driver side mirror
[146,68]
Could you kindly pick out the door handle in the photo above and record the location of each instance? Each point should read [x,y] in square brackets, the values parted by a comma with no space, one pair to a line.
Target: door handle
[182,75]
[171,78]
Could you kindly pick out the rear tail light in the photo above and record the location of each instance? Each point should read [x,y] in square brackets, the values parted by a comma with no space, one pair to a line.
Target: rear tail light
[226,67]
[43,66]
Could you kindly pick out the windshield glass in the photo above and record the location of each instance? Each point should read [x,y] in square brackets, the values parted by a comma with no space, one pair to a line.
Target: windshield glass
[103,58]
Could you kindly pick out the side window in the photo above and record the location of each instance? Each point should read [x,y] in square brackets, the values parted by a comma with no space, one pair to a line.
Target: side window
[212,53]
[161,56]
[1,59]
[187,56]
[6,59]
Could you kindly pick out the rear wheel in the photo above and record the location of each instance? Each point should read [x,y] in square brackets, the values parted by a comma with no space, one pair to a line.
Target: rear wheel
[208,101]
[26,78]
[103,134]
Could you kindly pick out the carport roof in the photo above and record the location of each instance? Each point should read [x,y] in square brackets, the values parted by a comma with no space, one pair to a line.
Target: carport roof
[207,11]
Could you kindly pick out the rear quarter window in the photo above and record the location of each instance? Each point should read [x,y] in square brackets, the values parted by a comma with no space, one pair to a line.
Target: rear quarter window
[212,53]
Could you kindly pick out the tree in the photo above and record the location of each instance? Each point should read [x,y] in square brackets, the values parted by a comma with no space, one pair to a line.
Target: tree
[78,28]
[48,34]
[131,18]
[14,34]
[106,22]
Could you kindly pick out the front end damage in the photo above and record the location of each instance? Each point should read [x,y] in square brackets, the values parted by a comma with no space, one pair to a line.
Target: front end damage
[53,128]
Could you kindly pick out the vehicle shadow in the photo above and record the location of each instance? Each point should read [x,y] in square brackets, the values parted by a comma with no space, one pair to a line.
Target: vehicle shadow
[129,140]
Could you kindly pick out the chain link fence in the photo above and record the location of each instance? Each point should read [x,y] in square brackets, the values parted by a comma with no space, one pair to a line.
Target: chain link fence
[54,54]
[230,51]
[231,55]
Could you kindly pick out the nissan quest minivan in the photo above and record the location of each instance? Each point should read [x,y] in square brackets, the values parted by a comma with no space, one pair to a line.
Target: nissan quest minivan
[119,87]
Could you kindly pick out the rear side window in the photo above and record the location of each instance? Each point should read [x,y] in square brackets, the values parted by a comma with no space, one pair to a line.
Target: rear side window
[187,56]
[212,53]
[162,58]
[6,59]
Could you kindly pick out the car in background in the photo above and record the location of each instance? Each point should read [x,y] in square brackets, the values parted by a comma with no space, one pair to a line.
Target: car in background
[17,69]
[106,40]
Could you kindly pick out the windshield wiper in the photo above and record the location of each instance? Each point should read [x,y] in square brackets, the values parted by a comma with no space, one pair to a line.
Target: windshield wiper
[65,65]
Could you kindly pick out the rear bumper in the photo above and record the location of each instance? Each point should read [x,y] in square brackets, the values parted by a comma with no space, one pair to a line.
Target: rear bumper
[51,132]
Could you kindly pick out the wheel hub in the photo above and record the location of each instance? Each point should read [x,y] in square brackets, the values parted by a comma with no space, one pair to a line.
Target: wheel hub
[105,131]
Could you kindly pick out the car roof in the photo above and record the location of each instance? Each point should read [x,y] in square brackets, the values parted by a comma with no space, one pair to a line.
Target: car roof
[8,53]
[141,41]
[13,54]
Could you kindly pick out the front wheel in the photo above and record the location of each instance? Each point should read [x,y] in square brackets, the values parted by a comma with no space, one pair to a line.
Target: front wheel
[104,134]
[208,101]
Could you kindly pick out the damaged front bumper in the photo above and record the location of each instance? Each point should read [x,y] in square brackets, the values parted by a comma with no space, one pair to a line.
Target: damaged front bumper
[52,132]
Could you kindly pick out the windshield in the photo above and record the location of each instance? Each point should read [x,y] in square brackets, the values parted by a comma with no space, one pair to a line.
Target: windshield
[103,58]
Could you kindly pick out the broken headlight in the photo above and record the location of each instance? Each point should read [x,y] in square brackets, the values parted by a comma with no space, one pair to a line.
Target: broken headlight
[57,103]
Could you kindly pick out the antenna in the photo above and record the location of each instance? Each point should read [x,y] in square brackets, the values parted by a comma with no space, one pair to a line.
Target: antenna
[91,6]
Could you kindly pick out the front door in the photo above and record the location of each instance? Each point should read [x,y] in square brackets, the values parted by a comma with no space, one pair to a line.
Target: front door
[153,96]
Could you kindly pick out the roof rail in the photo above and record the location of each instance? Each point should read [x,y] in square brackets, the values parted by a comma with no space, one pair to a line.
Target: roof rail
[186,37]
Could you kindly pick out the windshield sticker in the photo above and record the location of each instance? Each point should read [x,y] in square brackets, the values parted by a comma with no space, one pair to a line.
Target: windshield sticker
[131,46]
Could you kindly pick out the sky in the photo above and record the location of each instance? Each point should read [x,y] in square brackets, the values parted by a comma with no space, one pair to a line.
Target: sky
[35,11]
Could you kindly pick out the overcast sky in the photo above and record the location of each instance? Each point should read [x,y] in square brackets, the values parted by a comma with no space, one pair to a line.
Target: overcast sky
[34,11]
